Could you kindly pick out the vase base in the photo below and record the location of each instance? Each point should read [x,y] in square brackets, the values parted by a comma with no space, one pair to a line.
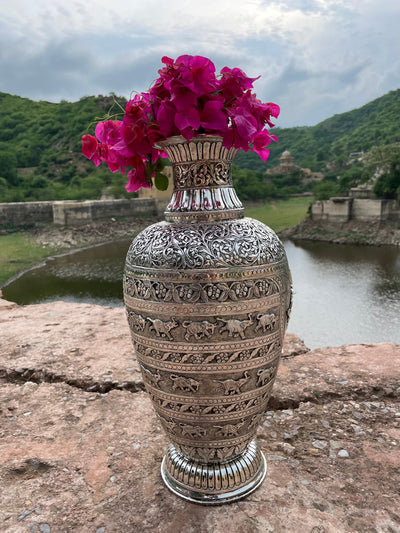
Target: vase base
[214,483]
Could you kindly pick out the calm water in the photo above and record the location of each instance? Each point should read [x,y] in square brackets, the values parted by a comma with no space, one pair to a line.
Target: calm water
[342,294]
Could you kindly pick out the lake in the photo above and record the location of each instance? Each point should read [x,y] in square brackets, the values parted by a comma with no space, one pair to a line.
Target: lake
[342,293]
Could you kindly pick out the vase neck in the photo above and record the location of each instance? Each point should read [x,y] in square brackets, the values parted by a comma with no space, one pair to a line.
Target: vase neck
[203,188]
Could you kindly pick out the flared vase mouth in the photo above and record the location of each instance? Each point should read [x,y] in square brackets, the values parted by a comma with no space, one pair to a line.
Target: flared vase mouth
[179,139]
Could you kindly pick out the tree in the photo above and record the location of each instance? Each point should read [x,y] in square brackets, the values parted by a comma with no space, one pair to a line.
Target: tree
[388,184]
[8,167]
[385,161]
[325,190]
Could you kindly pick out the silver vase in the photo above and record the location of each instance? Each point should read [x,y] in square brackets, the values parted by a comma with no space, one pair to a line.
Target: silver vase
[208,296]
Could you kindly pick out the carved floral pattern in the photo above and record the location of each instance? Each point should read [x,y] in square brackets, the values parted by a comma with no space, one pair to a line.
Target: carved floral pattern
[204,174]
[195,292]
[207,357]
[236,243]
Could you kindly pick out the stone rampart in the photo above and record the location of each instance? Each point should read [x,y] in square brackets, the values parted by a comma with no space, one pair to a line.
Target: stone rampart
[344,209]
[334,209]
[67,213]
[75,213]
[20,213]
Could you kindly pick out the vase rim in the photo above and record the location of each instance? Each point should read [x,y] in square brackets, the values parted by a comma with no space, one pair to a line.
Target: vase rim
[177,139]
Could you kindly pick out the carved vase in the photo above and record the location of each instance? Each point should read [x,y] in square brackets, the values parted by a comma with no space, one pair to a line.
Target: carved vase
[208,296]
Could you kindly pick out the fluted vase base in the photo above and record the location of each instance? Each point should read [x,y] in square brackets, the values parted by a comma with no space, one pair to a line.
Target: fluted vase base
[214,483]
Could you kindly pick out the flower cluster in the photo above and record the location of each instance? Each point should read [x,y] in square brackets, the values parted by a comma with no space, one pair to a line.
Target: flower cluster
[187,99]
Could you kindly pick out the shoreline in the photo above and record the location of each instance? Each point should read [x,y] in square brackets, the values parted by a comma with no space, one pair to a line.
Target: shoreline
[66,240]
[357,233]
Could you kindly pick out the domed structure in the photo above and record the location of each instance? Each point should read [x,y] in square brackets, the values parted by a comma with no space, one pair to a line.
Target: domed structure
[286,162]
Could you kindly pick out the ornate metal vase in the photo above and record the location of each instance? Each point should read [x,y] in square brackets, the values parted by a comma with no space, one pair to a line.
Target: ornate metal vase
[208,295]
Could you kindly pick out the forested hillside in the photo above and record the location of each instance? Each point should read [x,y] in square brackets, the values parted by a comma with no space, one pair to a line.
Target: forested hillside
[377,123]
[40,150]
[40,147]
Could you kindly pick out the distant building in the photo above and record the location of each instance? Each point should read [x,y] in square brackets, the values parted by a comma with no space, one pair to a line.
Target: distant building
[287,166]
[364,190]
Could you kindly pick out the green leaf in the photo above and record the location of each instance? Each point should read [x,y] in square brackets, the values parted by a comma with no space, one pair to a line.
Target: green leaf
[159,165]
[161,181]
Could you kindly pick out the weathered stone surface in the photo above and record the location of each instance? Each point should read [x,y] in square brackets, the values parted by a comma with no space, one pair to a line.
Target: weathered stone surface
[80,344]
[84,345]
[293,345]
[78,460]
[5,304]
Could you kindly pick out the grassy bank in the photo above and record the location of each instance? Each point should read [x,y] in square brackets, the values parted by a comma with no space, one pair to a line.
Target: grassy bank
[280,214]
[19,251]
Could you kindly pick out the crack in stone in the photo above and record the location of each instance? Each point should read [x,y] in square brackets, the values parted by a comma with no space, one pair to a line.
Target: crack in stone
[323,397]
[23,375]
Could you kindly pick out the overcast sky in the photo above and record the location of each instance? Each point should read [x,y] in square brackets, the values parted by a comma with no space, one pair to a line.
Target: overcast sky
[316,58]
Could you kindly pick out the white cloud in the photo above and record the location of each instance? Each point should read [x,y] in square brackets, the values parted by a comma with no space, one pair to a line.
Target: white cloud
[315,56]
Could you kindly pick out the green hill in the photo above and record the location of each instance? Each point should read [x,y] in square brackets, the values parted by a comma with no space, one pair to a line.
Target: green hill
[40,150]
[376,123]
[40,145]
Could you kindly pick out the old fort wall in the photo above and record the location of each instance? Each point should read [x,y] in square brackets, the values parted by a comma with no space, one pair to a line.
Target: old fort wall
[66,213]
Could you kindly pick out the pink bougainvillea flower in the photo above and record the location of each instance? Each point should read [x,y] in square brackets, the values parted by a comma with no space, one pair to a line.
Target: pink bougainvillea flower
[234,82]
[108,131]
[187,99]
[274,109]
[166,119]
[261,141]
[246,126]
[232,138]
[188,118]
[89,145]
[182,97]
[195,73]
[213,118]
[137,176]
[89,149]
[202,73]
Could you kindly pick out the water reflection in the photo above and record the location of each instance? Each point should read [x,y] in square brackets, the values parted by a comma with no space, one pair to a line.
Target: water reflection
[342,294]
[345,294]
[93,275]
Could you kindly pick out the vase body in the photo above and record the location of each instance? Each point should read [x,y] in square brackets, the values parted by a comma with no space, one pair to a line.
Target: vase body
[208,296]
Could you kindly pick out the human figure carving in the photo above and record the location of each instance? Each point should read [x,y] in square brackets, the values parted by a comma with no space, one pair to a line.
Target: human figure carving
[255,421]
[136,321]
[170,424]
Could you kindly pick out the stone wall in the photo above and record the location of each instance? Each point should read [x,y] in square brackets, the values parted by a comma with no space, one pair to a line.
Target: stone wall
[75,213]
[343,209]
[368,209]
[68,213]
[19,213]
[334,209]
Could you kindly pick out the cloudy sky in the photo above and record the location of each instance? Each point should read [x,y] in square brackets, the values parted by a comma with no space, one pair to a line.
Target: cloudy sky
[315,57]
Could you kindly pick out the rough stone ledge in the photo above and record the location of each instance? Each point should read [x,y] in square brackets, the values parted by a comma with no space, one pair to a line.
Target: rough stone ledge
[80,452]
